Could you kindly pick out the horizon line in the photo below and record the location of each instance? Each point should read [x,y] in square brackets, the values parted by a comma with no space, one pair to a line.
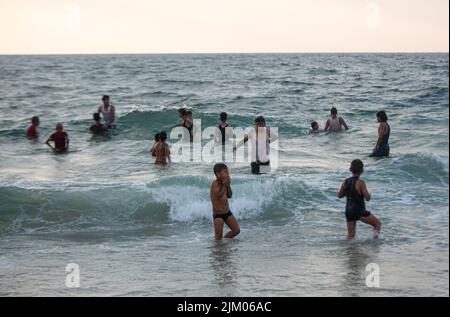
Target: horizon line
[229,53]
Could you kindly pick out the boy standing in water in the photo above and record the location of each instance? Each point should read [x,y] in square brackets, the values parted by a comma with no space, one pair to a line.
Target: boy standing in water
[161,150]
[356,192]
[220,193]
[32,132]
[60,138]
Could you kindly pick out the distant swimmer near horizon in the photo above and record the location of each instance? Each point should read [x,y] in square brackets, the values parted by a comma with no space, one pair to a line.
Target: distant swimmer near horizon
[60,139]
[382,147]
[335,123]
[261,138]
[108,112]
[220,193]
[356,192]
[32,131]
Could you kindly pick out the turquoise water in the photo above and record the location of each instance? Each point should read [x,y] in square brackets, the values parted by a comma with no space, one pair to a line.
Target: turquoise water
[135,229]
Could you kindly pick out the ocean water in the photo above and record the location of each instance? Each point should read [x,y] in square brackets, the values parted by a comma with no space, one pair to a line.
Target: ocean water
[138,230]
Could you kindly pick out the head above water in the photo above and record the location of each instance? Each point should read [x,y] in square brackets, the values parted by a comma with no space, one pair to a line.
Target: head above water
[105,100]
[333,111]
[59,127]
[223,116]
[221,170]
[163,136]
[35,120]
[260,121]
[182,112]
[157,137]
[314,125]
[96,117]
[382,116]
[357,167]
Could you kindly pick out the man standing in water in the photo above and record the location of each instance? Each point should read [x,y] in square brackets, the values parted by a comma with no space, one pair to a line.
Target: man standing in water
[108,112]
[356,192]
[335,123]
[220,193]
[261,137]
[60,139]
[384,131]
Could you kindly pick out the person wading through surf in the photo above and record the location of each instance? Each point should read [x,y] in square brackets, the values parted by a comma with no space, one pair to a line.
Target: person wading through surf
[108,112]
[261,137]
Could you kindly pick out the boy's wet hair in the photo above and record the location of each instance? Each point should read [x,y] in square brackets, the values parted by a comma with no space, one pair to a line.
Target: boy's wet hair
[35,120]
[157,136]
[105,97]
[333,110]
[223,116]
[96,116]
[314,124]
[382,116]
[260,119]
[163,136]
[182,111]
[357,167]
[219,167]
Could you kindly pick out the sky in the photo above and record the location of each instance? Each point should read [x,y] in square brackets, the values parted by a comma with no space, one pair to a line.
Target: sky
[222,26]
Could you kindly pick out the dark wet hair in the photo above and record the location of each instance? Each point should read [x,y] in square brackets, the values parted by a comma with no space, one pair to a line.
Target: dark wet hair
[105,97]
[223,116]
[313,124]
[96,116]
[157,136]
[333,110]
[35,119]
[260,119]
[219,167]
[163,136]
[382,116]
[189,112]
[182,111]
[357,167]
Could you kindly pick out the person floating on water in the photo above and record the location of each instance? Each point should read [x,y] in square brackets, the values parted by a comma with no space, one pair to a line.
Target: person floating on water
[382,147]
[335,123]
[356,192]
[108,112]
[220,193]
[98,127]
[32,131]
[60,139]
[315,128]
[186,122]
[261,138]
[161,150]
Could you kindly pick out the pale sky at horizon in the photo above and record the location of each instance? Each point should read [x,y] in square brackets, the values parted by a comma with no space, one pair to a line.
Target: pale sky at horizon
[213,26]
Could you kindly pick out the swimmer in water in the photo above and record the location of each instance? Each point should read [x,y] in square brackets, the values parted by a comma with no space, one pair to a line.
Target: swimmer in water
[97,127]
[60,139]
[161,150]
[108,112]
[335,123]
[356,192]
[32,132]
[382,147]
[315,128]
[220,193]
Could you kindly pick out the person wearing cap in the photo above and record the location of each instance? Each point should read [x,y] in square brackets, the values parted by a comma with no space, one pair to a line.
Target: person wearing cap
[260,138]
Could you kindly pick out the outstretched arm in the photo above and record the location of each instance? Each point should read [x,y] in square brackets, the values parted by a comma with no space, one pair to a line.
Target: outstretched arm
[241,143]
[48,143]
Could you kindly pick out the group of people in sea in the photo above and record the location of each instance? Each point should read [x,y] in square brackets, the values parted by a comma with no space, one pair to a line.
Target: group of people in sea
[353,188]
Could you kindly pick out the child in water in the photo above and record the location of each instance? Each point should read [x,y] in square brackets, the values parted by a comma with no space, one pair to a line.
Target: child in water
[161,150]
[157,139]
[315,128]
[356,192]
[220,193]
[32,131]
[60,139]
